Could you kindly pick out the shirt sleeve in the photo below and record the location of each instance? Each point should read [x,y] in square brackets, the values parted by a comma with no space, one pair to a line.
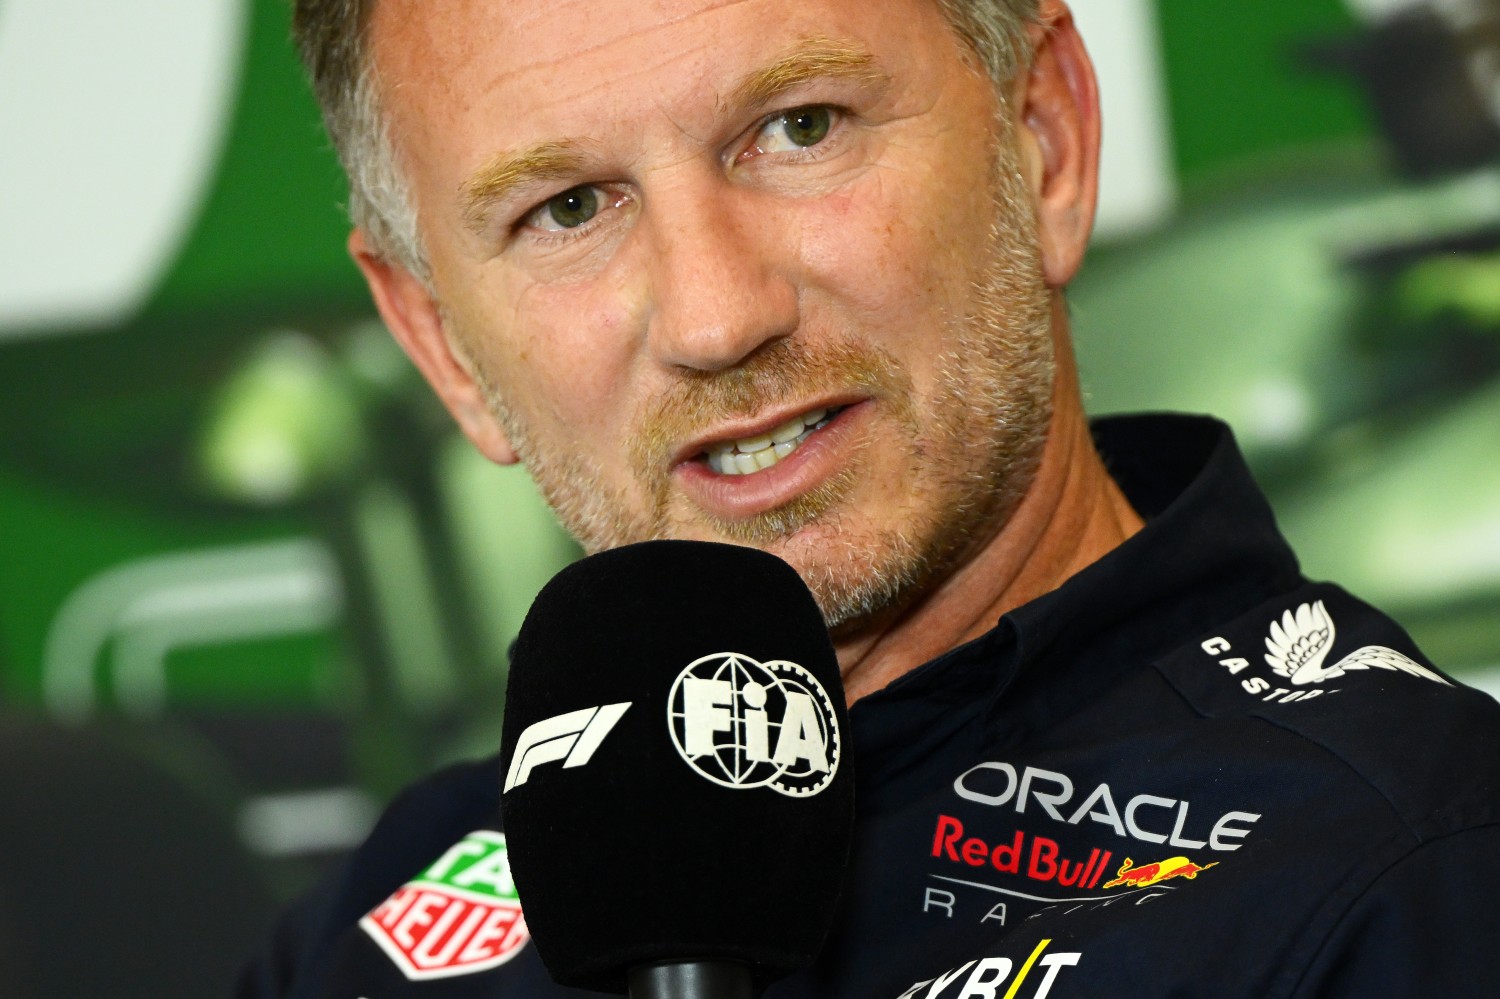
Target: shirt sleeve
[1427,927]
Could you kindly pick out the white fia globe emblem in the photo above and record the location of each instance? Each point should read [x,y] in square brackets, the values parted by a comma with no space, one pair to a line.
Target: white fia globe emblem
[745,724]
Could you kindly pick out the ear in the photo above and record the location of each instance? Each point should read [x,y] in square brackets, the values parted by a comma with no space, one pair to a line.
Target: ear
[1058,131]
[413,317]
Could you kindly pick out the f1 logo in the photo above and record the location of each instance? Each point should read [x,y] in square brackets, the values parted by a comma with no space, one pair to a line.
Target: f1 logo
[571,737]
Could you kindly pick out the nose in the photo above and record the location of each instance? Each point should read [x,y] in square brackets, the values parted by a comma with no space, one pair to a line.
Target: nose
[720,284]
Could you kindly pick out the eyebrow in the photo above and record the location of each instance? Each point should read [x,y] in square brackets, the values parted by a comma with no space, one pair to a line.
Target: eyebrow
[814,59]
[506,173]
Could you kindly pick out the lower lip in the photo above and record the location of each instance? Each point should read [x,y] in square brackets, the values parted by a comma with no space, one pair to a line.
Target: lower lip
[735,497]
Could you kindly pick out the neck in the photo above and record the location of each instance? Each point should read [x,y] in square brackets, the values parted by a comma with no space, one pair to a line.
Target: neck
[1070,516]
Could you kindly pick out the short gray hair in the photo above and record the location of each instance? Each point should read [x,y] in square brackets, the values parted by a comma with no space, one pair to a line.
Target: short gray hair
[332,37]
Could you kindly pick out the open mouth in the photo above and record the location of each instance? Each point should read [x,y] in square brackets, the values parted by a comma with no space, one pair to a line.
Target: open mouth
[753,454]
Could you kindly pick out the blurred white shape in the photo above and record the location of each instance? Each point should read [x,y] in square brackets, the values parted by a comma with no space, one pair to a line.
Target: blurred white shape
[1276,412]
[1486,679]
[303,822]
[1449,559]
[1380,10]
[111,120]
[1137,178]
[1460,14]
[149,608]
[270,468]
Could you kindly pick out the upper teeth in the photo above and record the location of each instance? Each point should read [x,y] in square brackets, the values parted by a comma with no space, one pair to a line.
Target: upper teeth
[751,454]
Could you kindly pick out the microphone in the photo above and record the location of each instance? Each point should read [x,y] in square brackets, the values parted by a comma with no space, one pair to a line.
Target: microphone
[678,796]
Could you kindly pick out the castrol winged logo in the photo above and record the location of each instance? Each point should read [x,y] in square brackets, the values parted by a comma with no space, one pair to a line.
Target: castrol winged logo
[1300,642]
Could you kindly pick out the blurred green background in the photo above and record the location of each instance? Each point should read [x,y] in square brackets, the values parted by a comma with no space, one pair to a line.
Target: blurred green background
[251,582]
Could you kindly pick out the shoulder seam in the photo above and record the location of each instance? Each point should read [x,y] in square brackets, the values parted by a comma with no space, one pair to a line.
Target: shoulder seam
[1328,751]
[1364,889]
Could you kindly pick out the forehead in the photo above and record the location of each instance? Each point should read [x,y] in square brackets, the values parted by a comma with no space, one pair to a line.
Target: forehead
[524,69]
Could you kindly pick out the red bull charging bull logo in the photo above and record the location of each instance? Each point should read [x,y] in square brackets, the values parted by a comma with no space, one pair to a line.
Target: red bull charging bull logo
[1154,874]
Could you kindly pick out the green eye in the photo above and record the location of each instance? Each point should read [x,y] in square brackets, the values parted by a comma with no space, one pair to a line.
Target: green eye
[572,208]
[799,128]
[807,126]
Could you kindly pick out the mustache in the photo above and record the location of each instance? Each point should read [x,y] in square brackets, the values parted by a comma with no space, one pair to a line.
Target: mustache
[787,368]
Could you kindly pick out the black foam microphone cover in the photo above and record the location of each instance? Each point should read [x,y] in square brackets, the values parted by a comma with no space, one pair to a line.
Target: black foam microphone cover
[677,785]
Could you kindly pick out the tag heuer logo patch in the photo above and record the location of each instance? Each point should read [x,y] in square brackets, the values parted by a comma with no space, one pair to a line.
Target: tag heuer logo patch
[458,917]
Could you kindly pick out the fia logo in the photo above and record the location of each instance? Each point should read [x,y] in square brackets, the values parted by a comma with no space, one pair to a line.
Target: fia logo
[745,724]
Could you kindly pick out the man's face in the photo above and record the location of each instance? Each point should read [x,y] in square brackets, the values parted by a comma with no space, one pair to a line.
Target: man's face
[663,231]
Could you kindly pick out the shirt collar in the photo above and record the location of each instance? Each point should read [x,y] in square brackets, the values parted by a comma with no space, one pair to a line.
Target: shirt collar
[1210,548]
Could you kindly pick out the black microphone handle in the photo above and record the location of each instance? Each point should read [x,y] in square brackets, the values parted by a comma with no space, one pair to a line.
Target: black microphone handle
[691,980]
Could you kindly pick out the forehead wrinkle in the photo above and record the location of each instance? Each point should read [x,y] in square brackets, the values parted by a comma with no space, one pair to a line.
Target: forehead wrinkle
[506,172]
[813,59]
[552,63]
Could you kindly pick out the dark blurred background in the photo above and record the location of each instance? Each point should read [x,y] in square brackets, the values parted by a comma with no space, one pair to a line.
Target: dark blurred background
[251,582]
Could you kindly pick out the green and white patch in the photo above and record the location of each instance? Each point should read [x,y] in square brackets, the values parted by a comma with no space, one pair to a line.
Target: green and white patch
[458,917]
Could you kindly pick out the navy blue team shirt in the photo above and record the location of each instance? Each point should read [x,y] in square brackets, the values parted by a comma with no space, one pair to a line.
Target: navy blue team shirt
[1186,772]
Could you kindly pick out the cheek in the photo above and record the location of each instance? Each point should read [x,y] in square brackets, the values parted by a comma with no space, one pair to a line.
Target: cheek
[563,357]
[892,255]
